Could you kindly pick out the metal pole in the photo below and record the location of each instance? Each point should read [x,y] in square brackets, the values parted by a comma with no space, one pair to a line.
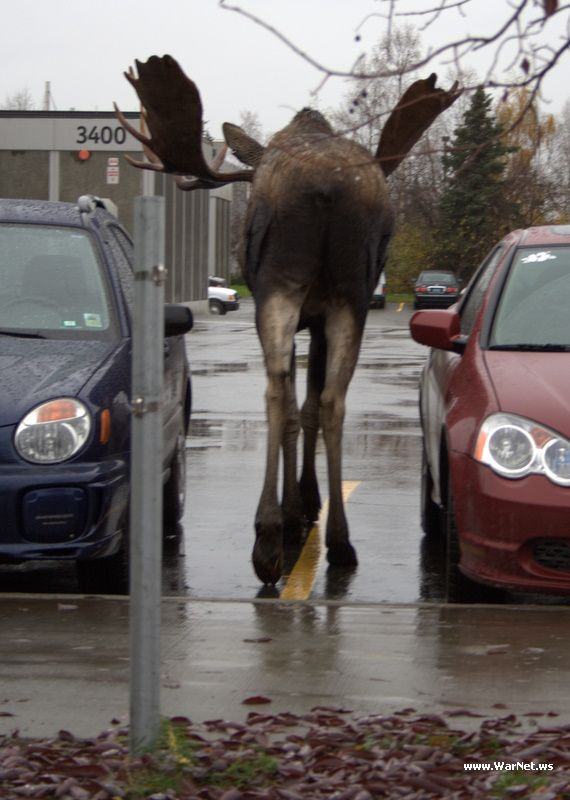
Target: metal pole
[146,473]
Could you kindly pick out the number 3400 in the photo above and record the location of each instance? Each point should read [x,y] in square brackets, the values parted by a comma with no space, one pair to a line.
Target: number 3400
[105,134]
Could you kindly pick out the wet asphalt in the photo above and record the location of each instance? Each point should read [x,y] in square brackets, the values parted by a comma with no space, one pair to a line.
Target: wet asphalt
[226,459]
[373,640]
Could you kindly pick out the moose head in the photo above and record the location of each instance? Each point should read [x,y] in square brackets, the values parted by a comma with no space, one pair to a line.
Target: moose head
[316,234]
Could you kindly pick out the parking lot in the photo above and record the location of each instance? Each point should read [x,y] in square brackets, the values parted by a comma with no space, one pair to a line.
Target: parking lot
[208,555]
[362,638]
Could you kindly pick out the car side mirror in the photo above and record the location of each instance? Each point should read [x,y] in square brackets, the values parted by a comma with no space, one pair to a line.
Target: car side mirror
[439,328]
[178,319]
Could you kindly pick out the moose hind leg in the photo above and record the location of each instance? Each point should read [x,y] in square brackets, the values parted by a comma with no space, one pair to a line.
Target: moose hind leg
[310,423]
[276,324]
[293,519]
[343,335]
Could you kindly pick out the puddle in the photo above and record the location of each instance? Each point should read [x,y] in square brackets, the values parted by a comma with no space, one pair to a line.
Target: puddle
[220,366]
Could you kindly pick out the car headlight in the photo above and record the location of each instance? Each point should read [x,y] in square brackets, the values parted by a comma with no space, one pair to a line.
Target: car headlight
[53,431]
[514,447]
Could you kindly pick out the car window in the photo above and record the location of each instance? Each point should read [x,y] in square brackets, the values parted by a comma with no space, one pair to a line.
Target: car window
[51,280]
[122,250]
[476,290]
[535,302]
[445,278]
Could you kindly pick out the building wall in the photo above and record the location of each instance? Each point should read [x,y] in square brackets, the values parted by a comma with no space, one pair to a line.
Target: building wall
[222,233]
[24,174]
[186,257]
[90,177]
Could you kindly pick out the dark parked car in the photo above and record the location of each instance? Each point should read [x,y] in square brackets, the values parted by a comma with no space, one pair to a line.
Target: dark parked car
[436,289]
[495,412]
[66,290]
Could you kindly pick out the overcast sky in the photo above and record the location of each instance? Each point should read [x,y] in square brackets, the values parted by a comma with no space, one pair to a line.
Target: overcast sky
[82,48]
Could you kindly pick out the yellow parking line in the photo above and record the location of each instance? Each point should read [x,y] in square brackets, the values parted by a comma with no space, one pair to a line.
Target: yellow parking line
[300,582]
[400,307]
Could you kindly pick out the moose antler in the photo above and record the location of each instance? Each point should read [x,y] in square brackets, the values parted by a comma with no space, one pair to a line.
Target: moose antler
[173,114]
[418,107]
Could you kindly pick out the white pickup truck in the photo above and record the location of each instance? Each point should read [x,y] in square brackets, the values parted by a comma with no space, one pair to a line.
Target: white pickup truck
[221,299]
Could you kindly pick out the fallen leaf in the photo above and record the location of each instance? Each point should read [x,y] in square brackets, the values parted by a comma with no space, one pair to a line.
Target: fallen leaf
[256,700]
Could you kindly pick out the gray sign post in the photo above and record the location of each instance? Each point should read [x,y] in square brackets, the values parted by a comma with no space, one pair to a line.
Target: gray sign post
[146,473]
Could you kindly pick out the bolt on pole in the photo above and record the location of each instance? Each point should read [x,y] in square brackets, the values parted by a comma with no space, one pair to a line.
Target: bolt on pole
[146,473]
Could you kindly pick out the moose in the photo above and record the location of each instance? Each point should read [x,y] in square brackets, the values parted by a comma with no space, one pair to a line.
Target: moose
[316,234]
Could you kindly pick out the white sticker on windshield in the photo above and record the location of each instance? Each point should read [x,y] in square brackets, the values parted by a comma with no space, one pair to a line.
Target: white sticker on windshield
[92,320]
[534,257]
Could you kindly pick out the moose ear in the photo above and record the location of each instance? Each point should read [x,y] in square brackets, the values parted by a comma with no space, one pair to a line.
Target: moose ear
[242,146]
[418,107]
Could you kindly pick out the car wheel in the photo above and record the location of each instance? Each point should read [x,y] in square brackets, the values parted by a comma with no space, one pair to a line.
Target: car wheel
[458,588]
[416,305]
[430,511]
[174,494]
[108,575]
[217,308]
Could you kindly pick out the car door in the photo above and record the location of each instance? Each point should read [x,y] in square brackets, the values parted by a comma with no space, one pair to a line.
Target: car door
[442,364]
[174,360]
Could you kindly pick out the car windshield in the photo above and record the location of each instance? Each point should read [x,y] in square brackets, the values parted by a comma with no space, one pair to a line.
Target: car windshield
[533,310]
[51,282]
[212,281]
[437,277]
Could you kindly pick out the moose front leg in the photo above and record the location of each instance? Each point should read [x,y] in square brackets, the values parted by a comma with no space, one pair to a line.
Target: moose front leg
[343,335]
[276,325]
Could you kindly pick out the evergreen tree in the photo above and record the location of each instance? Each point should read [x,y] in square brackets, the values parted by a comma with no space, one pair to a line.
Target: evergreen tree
[473,205]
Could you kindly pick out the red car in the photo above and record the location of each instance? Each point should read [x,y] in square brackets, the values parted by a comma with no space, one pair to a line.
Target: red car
[495,414]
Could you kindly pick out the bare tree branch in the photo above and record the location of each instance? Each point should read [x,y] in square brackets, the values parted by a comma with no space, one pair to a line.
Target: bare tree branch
[517,31]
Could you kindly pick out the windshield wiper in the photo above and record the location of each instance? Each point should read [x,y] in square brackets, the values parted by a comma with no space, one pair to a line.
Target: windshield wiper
[23,334]
[533,348]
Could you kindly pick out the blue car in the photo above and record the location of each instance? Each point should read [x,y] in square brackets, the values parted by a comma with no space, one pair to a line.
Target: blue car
[66,295]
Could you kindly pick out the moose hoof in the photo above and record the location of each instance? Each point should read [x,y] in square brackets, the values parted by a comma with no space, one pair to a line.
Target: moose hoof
[267,561]
[342,555]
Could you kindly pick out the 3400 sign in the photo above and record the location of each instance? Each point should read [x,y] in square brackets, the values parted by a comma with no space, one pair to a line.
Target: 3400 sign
[104,134]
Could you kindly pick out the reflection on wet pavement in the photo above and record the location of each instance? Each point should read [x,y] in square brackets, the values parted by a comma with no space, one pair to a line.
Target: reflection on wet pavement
[468,660]
[227,453]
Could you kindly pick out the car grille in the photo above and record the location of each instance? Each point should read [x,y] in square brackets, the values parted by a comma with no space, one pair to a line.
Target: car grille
[552,553]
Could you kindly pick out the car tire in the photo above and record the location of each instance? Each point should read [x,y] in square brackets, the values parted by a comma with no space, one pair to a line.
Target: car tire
[430,511]
[108,575]
[174,493]
[217,308]
[458,587]
[416,305]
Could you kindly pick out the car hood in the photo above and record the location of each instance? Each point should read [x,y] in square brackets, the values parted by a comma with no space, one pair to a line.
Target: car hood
[35,370]
[221,293]
[533,385]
